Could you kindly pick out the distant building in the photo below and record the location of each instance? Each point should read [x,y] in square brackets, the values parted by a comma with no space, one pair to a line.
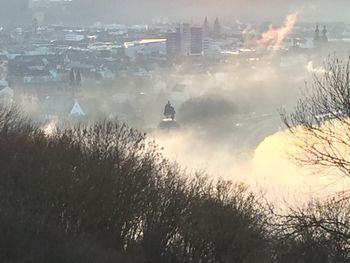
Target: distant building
[317,34]
[206,45]
[146,47]
[206,28]
[196,41]
[206,36]
[185,41]
[35,25]
[74,37]
[173,43]
[217,29]
[6,93]
[185,31]
[77,110]
[320,41]
[6,96]
[324,34]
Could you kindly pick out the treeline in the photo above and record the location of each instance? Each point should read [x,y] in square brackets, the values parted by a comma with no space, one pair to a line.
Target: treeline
[104,193]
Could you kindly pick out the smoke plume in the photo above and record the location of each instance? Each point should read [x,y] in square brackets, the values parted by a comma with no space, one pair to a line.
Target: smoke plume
[273,37]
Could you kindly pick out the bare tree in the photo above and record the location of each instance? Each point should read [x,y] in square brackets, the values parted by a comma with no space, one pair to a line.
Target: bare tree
[317,232]
[104,193]
[320,129]
[320,124]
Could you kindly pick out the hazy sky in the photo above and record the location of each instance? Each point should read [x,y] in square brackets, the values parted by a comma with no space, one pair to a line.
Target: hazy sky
[145,10]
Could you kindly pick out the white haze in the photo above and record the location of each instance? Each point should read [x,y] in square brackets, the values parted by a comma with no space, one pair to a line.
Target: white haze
[222,145]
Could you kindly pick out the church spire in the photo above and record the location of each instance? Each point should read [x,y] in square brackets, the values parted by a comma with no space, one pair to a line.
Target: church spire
[206,27]
[217,28]
[317,34]
[320,41]
[324,32]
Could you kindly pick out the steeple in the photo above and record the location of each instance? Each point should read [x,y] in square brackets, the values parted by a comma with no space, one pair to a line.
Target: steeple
[35,26]
[71,77]
[217,28]
[320,41]
[317,34]
[324,32]
[206,27]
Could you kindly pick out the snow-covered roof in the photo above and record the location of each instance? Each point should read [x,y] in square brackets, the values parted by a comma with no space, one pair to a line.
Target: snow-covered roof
[77,110]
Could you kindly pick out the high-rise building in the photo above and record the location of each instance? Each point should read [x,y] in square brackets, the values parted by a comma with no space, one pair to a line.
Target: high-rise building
[173,43]
[196,40]
[206,45]
[185,41]
[185,32]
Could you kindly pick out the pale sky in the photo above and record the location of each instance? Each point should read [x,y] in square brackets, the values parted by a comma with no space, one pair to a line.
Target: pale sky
[145,10]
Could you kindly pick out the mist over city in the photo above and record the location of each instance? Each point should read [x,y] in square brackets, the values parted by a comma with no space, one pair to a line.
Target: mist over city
[174,131]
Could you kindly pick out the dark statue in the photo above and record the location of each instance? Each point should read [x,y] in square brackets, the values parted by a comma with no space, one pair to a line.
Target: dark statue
[169,111]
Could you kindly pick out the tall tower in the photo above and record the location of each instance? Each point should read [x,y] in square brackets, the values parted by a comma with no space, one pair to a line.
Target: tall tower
[324,34]
[173,43]
[196,41]
[185,32]
[320,41]
[206,28]
[317,34]
[35,25]
[217,29]
[317,39]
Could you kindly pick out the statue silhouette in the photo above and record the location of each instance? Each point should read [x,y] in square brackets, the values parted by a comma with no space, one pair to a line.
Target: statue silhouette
[169,111]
